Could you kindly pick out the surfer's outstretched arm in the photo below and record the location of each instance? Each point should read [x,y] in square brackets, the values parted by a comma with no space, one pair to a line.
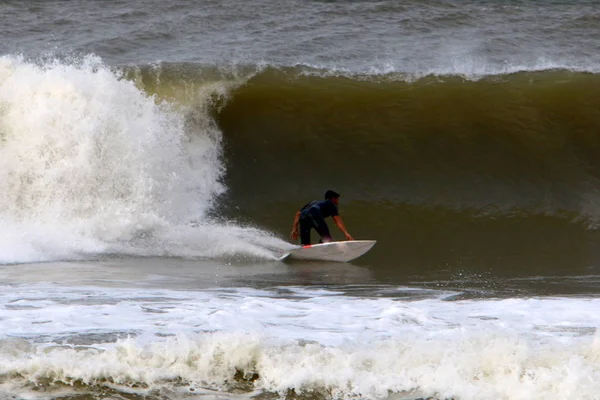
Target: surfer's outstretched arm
[340,224]
[294,234]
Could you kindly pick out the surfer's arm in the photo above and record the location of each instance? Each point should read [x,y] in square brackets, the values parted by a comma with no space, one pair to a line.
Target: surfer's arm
[340,224]
[294,234]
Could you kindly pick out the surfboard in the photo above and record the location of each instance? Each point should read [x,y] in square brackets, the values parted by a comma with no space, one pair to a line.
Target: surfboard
[332,251]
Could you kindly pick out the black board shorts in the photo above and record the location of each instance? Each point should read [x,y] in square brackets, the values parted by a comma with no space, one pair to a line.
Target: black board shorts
[310,219]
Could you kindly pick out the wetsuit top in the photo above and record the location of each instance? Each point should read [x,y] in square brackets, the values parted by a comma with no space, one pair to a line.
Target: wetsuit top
[325,208]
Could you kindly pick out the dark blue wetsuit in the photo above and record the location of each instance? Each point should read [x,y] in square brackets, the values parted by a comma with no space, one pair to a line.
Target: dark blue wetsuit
[313,215]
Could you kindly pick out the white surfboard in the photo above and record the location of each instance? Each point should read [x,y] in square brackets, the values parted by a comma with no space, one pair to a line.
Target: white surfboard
[332,251]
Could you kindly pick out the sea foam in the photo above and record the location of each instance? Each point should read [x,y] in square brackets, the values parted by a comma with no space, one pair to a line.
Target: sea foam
[90,164]
[308,341]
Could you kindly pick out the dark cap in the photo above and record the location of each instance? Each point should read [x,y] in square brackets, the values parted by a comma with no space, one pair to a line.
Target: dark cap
[330,194]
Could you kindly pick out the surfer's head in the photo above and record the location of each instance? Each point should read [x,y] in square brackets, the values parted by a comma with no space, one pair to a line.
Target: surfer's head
[333,196]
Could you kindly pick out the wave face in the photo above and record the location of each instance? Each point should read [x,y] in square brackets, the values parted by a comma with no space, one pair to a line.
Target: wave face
[89,164]
[520,135]
[462,171]
[526,139]
[440,162]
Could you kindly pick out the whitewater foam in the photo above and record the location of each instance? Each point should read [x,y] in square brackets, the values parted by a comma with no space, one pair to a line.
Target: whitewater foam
[470,69]
[309,341]
[90,164]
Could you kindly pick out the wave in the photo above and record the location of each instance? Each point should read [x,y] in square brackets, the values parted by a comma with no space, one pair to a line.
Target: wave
[477,366]
[133,160]
[301,343]
[496,170]
[522,125]
[526,140]
[485,170]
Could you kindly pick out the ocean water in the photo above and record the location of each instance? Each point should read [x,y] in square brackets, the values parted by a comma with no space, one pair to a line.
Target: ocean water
[153,154]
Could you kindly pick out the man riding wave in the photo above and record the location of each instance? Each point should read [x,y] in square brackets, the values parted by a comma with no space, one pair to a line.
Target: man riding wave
[313,215]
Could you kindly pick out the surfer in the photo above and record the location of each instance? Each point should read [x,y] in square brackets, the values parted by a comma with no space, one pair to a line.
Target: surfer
[313,215]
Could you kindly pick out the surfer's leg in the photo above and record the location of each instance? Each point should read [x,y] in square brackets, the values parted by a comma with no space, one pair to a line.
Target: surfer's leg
[305,226]
[322,229]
